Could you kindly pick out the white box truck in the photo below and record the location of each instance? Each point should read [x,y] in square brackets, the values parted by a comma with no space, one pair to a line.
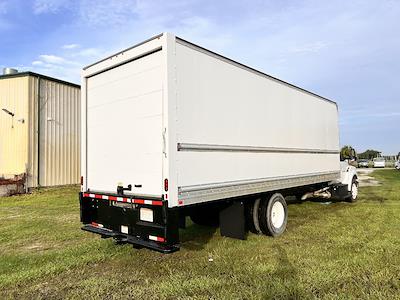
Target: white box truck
[170,129]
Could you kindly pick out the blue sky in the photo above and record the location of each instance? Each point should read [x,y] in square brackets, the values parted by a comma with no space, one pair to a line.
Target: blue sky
[348,51]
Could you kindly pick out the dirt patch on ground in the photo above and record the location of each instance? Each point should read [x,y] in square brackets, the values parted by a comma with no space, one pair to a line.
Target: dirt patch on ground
[365,178]
[37,247]
[11,217]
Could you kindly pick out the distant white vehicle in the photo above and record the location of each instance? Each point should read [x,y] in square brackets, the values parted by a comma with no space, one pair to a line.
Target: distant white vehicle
[379,162]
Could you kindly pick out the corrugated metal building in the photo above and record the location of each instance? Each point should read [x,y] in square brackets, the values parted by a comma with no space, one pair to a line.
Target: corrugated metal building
[39,129]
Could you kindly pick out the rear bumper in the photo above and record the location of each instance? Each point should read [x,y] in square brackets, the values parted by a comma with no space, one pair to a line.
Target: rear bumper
[105,233]
[121,218]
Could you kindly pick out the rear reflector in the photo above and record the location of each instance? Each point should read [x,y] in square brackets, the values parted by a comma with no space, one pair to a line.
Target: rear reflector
[97,224]
[156,238]
[123,199]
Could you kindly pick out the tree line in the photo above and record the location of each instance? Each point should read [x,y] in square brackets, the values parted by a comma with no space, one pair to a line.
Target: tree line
[348,152]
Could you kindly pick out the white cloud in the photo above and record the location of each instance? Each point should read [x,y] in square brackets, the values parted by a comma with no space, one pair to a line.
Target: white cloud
[364,115]
[68,66]
[52,59]
[106,13]
[37,63]
[70,46]
[310,47]
[65,72]
[91,52]
[50,6]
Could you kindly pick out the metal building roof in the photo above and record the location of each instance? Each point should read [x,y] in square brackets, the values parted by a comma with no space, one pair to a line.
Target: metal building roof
[29,73]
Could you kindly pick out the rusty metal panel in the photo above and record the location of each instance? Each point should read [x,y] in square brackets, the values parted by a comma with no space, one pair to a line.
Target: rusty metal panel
[14,129]
[59,134]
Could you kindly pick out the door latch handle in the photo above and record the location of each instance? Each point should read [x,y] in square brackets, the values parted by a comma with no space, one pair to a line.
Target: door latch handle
[121,189]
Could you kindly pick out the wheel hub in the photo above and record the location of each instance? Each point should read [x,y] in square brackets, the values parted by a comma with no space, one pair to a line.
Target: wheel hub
[277,214]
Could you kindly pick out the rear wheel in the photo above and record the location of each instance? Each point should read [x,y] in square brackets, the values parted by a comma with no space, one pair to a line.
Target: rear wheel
[273,215]
[252,216]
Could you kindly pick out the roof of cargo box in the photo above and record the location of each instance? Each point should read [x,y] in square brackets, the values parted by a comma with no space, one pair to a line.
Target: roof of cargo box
[219,56]
[122,51]
[33,74]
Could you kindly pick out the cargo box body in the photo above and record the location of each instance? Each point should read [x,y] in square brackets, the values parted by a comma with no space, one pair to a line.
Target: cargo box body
[168,109]
[184,125]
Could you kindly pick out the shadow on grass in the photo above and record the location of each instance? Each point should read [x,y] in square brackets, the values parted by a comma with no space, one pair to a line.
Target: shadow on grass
[302,213]
[195,237]
[293,200]
[375,197]
[288,276]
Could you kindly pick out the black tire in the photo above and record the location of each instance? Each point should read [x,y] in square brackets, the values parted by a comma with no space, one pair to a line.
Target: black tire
[354,185]
[253,212]
[273,215]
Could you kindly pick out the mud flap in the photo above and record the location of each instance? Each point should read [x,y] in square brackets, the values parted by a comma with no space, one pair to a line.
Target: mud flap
[232,221]
[340,191]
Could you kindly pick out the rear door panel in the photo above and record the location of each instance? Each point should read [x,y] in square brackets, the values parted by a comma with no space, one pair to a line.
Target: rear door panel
[124,127]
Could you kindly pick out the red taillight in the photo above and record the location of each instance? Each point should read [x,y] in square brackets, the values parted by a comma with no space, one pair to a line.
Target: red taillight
[166,184]
[81,180]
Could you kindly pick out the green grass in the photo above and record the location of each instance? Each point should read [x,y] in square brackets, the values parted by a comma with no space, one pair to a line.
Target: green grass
[340,250]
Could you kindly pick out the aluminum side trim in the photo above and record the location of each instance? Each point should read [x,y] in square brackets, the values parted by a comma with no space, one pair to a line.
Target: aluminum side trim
[231,148]
[208,192]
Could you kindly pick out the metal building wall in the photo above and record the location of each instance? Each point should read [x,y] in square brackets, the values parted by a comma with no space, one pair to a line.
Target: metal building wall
[32,103]
[58,151]
[46,145]
[14,133]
